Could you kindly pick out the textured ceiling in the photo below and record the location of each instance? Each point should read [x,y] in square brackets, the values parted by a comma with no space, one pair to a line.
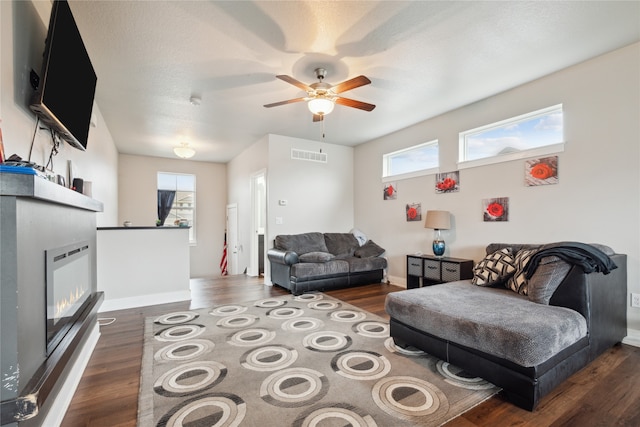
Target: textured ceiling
[423,58]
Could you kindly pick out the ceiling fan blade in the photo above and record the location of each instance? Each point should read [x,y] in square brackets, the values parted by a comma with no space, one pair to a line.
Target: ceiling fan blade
[289,101]
[294,82]
[350,84]
[355,104]
[318,117]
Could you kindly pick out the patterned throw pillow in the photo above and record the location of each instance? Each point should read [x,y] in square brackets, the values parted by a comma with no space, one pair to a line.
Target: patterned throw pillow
[494,269]
[518,282]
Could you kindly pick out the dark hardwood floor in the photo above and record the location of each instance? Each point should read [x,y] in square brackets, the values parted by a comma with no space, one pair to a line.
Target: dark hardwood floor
[605,393]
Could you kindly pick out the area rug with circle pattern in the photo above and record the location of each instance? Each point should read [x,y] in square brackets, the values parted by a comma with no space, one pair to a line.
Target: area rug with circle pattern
[309,360]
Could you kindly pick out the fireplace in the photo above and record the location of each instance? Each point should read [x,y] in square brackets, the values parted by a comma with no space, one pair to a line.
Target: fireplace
[68,283]
[48,251]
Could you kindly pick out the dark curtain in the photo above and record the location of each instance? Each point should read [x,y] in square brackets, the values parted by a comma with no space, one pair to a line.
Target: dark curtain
[165,201]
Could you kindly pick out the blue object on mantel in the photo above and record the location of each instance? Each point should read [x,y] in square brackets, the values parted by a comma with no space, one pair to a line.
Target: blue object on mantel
[24,170]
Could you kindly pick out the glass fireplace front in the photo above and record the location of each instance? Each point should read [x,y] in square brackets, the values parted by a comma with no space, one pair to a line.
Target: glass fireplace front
[68,284]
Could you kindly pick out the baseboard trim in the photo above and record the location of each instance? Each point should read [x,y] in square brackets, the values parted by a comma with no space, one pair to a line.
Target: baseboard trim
[398,281]
[144,300]
[62,401]
[632,338]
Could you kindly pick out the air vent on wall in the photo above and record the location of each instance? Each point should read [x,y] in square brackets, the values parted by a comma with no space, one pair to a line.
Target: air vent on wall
[312,156]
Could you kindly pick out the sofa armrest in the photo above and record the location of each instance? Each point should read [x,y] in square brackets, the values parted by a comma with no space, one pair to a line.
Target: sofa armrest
[282,257]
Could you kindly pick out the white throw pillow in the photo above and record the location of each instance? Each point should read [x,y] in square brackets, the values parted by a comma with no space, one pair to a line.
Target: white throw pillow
[359,235]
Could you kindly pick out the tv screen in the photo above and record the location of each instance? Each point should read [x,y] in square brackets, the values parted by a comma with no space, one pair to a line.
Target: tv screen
[64,99]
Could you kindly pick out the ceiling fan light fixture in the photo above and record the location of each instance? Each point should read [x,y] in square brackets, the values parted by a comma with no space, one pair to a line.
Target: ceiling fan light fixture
[184,151]
[321,106]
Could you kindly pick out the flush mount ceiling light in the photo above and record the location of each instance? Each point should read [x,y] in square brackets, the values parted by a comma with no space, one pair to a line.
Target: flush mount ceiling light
[184,151]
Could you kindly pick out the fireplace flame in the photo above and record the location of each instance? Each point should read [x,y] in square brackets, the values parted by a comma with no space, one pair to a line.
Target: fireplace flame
[63,304]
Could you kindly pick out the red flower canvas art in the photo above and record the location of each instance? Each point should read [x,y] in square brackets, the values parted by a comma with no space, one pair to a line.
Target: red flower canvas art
[414,212]
[541,171]
[448,182]
[495,209]
[390,191]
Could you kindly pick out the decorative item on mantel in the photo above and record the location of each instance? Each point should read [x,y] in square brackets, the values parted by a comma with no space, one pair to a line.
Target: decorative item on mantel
[438,220]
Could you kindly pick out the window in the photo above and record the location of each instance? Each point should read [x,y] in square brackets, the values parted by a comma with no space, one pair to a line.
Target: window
[413,161]
[183,202]
[537,133]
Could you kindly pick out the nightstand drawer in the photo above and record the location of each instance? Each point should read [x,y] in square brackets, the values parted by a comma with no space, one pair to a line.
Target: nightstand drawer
[432,269]
[450,271]
[414,266]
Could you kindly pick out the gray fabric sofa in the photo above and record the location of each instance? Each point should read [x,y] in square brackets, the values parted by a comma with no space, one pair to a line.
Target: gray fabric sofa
[525,344]
[323,261]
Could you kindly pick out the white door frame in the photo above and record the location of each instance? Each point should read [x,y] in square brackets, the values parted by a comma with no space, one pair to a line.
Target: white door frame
[232,238]
[258,202]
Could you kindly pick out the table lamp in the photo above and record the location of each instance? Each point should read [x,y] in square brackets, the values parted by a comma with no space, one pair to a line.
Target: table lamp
[438,220]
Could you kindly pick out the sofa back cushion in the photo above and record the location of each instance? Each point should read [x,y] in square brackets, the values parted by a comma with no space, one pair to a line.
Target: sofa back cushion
[301,243]
[341,244]
[515,247]
[369,250]
[550,273]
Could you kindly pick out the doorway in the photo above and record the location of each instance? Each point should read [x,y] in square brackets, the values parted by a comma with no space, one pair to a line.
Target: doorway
[232,238]
[258,223]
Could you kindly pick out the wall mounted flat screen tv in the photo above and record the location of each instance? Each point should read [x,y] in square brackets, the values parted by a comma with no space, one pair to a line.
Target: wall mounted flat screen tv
[64,99]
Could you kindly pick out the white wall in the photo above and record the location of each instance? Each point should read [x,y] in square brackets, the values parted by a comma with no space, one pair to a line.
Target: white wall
[137,192]
[23,32]
[597,198]
[319,195]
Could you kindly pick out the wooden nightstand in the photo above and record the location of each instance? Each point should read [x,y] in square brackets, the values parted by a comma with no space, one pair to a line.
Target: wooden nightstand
[426,270]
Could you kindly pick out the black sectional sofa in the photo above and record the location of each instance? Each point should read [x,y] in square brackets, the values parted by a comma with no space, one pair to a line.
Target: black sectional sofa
[323,261]
[526,344]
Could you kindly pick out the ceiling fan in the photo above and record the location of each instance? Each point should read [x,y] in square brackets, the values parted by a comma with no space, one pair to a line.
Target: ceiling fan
[322,96]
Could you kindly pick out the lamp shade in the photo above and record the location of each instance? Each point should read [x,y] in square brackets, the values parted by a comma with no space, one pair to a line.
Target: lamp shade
[184,151]
[438,220]
[320,105]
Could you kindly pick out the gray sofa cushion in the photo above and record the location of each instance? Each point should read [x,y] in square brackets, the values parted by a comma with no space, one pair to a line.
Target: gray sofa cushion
[550,273]
[515,247]
[358,265]
[369,249]
[341,244]
[316,257]
[493,320]
[301,243]
[304,271]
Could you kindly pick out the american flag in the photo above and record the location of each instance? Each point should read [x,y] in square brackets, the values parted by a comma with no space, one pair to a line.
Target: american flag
[223,261]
